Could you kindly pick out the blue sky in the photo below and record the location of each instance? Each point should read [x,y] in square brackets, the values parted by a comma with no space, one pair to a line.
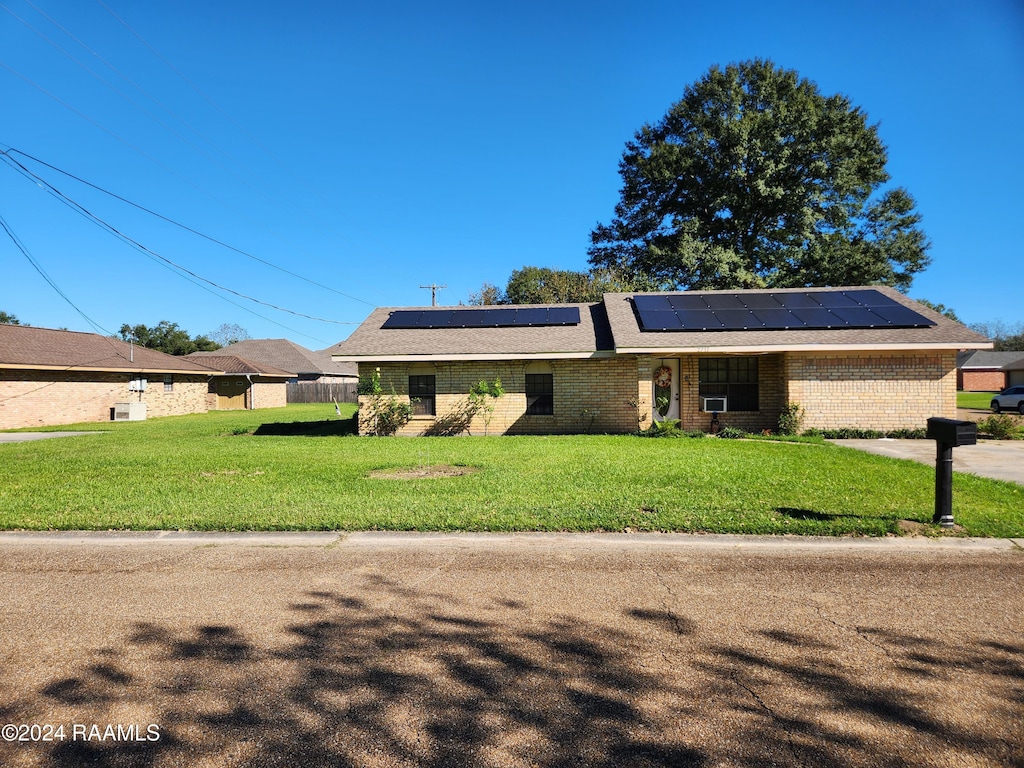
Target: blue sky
[354,152]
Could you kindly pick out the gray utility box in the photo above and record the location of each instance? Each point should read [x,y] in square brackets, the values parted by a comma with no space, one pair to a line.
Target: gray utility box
[952,432]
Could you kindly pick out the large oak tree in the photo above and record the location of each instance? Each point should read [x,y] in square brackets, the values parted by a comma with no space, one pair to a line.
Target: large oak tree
[756,179]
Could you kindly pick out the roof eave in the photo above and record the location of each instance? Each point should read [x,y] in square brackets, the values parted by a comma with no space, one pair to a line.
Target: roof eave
[826,347]
[473,356]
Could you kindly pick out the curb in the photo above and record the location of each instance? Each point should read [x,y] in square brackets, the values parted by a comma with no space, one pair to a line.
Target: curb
[326,539]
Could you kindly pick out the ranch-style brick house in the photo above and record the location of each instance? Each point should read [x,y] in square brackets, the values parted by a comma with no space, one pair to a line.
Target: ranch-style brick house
[52,377]
[863,356]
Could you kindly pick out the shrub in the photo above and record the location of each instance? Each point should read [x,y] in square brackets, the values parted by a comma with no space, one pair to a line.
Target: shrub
[791,419]
[1002,426]
[382,415]
[732,433]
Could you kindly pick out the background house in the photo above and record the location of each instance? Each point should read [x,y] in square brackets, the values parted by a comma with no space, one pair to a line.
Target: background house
[316,377]
[62,377]
[863,357]
[243,384]
[1015,372]
[982,370]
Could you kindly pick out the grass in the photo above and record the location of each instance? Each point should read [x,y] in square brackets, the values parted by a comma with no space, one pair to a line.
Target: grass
[976,400]
[295,469]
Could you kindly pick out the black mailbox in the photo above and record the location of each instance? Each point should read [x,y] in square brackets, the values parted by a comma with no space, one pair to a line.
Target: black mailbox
[952,432]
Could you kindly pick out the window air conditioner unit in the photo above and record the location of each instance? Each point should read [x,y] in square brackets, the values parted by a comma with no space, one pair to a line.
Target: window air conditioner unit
[129,411]
[715,404]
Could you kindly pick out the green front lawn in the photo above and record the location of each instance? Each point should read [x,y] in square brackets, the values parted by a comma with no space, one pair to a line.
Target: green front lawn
[294,468]
[977,400]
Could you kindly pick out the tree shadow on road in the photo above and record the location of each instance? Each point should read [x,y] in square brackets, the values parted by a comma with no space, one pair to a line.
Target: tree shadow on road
[391,675]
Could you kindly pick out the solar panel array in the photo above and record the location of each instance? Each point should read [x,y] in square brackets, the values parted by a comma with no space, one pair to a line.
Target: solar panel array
[815,310]
[504,317]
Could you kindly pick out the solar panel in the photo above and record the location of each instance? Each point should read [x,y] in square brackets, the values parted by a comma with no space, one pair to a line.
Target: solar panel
[644,303]
[759,301]
[870,298]
[810,309]
[496,318]
[900,316]
[458,318]
[834,299]
[737,319]
[685,301]
[724,301]
[402,319]
[699,320]
[797,301]
[532,316]
[858,317]
[660,320]
[778,319]
[818,318]
[563,315]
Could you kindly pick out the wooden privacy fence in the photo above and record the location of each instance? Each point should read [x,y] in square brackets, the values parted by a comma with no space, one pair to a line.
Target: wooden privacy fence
[316,392]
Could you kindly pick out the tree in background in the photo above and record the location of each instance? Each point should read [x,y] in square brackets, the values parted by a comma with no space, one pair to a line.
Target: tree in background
[167,337]
[755,179]
[1006,338]
[8,319]
[942,309]
[229,333]
[542,285]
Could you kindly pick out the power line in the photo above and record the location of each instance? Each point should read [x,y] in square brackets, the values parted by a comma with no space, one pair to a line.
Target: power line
[185,227]
[102,224]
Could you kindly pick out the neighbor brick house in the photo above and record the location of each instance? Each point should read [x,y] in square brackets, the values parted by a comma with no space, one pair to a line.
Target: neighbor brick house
[984,370]
[863,357]
[62,377]
[243,384]
[286,355]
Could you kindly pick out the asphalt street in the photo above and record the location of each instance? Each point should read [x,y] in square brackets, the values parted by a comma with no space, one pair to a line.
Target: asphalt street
[317,649]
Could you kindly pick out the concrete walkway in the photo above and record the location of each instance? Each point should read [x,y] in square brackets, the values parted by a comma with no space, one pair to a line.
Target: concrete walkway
[998,459]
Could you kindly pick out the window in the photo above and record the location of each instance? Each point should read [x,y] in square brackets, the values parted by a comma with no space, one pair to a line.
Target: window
[540,394]
[421,391]
[731,377]
[169,382]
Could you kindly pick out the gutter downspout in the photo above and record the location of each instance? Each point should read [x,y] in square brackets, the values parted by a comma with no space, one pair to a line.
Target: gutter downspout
[252,393]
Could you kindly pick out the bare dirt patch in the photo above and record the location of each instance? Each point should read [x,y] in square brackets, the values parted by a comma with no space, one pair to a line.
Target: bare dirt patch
[423,473]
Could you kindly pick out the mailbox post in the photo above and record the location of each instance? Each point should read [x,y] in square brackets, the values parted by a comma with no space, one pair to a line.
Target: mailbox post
[947,434]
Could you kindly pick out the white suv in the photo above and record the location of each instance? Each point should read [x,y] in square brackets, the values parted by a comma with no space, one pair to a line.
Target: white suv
[1011,399]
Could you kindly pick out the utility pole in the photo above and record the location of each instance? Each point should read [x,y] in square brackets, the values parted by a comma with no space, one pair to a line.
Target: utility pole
[434,288]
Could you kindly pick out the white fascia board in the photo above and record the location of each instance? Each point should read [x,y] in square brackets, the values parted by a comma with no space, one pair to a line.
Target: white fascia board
[90,369]
[471,357]
[774,348]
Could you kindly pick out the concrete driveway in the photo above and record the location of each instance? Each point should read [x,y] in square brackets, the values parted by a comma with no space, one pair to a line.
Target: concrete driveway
[998,459]
[543,650]
[24,437]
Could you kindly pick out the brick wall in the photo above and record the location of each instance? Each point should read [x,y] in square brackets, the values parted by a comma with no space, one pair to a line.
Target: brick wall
[880,391]
[269,394]
[869,391]
[45,398]
[589,396]
[981,381]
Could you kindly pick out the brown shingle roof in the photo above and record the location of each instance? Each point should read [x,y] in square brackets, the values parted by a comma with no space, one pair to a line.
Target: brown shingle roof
[612,327]
[591,337]
[23,346]
[945,334]
[285,355]
[237,364]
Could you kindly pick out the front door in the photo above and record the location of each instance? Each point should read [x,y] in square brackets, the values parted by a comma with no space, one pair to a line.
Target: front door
[665,389]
